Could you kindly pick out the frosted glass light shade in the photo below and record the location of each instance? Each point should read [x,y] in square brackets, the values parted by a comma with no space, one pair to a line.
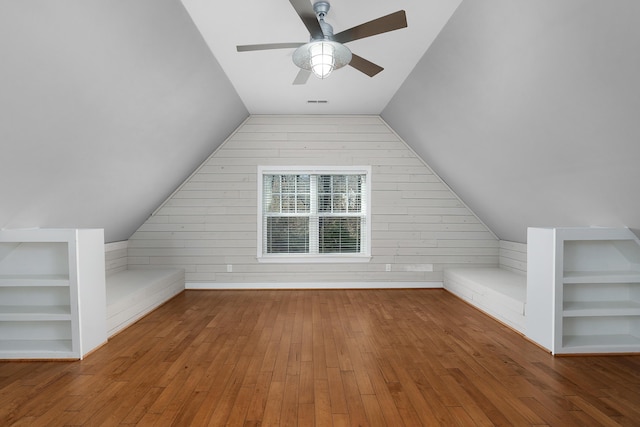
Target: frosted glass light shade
[322,57]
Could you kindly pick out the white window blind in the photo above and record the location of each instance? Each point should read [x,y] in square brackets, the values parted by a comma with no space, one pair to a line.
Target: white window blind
[314,214]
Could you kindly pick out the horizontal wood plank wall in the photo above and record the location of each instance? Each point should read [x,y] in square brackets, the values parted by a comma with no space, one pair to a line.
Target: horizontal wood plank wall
[115,257]
[419,225]
[513,256]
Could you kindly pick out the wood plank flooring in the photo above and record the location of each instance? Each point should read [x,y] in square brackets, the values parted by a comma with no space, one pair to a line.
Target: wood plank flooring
[321,358]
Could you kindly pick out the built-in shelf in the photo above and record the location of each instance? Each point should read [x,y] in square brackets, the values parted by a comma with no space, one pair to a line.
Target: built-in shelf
[602,343]
[601,276]
[35,312]
[601,308]
[34,280]
[52,293]
[26,349]
[583,290]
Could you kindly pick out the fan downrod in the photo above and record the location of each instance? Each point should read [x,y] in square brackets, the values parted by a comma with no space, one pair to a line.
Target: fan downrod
[321,8]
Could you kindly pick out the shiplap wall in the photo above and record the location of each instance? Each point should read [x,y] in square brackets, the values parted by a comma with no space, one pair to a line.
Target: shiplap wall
[513,256]
[115,257]
[209,224]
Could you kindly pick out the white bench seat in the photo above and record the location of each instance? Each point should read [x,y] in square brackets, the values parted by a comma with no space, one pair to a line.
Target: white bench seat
[498,292]
[131,294]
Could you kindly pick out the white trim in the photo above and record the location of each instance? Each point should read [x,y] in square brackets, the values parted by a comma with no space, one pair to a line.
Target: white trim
[314,259]
[316,285]
[312,170]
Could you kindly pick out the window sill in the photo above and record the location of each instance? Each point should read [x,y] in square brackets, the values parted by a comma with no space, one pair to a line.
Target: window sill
[314,259]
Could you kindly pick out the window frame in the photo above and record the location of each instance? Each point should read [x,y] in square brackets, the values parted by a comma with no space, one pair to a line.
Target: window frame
[365,253]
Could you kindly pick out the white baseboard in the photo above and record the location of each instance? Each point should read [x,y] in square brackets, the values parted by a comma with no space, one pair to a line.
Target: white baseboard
[328,285]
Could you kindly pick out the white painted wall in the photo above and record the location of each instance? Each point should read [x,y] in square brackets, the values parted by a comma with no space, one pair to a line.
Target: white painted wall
[529,111]
[418,226]
[105,108]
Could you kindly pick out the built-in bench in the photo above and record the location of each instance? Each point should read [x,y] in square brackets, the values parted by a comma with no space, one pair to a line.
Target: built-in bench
[131,294]
[496,291]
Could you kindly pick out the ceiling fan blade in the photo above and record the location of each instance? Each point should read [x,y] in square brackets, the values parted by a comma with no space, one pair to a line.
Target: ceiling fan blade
[367,67]
[251,47]
[308,15]
[387,23]
[302,77]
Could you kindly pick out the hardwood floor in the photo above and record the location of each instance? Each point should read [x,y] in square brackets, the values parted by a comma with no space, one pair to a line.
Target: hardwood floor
[323,358]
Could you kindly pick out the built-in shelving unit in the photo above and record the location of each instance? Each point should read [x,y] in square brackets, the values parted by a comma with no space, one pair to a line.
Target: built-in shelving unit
[52,293]
[583,290]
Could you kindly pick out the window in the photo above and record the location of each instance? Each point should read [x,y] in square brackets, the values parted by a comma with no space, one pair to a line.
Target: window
[314,214]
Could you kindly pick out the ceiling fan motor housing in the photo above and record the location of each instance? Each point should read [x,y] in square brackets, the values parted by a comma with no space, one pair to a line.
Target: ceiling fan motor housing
[321,8]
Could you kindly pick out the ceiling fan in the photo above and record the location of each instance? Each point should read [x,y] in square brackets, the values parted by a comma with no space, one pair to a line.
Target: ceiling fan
[325,51]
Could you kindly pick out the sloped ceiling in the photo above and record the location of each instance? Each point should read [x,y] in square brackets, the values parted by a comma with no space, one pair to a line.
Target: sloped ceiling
[263,79]
[530,111]
[105,108]
[527,109]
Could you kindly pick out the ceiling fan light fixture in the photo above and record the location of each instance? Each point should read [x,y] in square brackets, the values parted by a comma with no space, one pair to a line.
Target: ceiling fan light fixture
[326,51]
[322,63]
[322,57]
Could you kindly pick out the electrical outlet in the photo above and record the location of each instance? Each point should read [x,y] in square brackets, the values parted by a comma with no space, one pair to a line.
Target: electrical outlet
[229,268]
[388,267]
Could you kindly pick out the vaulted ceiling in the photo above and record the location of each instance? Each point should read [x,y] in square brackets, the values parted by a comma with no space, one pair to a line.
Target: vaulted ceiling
[528,110]
[105,108]
[264,79]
